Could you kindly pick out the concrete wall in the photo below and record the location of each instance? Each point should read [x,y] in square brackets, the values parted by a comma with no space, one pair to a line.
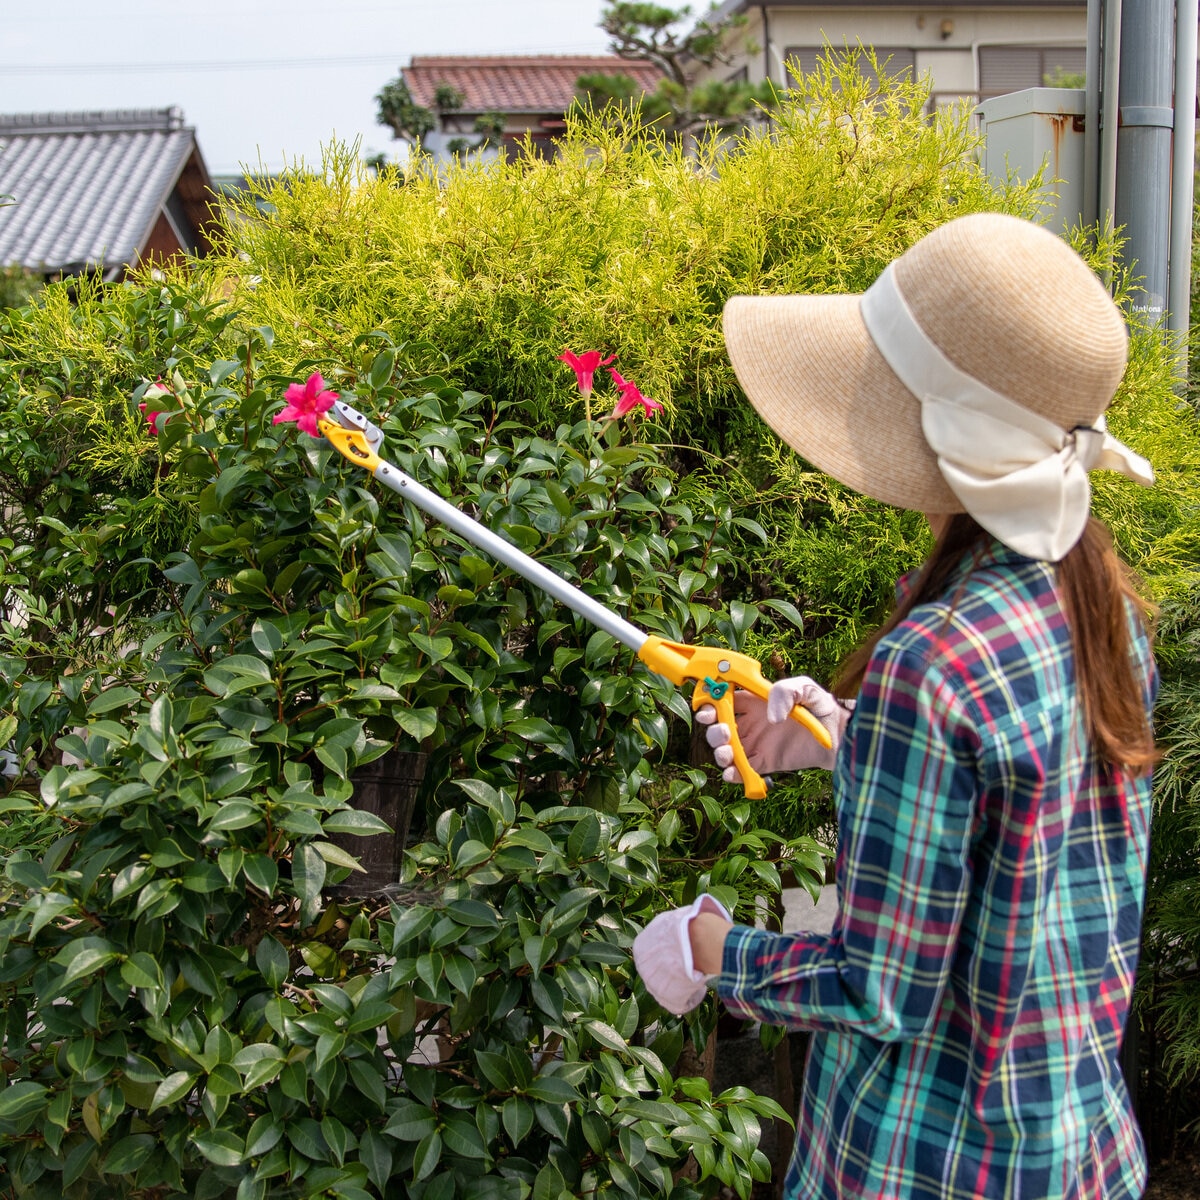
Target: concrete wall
[945,40]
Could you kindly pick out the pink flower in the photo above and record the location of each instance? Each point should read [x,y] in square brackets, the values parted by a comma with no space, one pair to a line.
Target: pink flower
[584,366]
[305,404]
[630,397]
[151,420]
[154,392]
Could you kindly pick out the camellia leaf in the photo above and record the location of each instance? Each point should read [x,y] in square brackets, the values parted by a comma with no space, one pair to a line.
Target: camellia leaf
[21,1098]
[470,854]
[308,872]
[461,972]
[473,912]
[375,1154]
[221,1147]
[552,1089]
[172,1089]
[264,1134]
[262,871]
[428,1153]
[605,1034]
[410,1122]
[83,956]
[786,610]
[355,821]
[419,723]
[111,698]
[128,1154]
[272,961]
[337,856]
[322,960]
[238,814]
[140,970]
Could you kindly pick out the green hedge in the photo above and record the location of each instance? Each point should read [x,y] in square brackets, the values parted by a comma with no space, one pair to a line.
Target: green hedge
[189,1010]
[219,625]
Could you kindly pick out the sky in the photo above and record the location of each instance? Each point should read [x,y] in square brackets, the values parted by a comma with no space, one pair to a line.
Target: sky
[265,83]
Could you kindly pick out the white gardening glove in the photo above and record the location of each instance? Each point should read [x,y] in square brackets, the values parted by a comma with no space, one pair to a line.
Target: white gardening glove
[662,953]
[772,741]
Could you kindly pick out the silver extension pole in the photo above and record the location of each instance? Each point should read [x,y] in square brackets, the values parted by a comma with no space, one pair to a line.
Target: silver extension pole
[504,551]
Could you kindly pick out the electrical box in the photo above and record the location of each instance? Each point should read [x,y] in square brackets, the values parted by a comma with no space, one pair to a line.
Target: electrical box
[1034,129]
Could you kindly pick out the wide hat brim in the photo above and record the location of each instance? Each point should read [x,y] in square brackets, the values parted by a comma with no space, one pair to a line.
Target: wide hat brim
[810,369]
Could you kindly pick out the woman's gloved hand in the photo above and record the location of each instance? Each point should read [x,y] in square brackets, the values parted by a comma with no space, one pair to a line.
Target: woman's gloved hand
[772,741]
[662,953]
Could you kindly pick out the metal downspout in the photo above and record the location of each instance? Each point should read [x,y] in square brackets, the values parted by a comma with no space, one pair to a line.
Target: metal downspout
[1091,115]
[1183,172]
[1144,147]
[1110,78]
[766,24]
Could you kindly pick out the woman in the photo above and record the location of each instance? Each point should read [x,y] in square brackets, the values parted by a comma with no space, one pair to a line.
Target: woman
[992,777]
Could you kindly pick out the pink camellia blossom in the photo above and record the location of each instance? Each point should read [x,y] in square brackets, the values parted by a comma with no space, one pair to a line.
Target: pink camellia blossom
[584,365]
[630,397]
[306,403]
[154,392]
[151,419]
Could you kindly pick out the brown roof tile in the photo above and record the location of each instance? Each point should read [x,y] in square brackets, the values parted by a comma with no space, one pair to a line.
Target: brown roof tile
[541,84]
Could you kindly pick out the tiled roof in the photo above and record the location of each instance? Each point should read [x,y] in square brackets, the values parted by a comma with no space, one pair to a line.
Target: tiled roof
[542,84]
[89,186]
[732,8]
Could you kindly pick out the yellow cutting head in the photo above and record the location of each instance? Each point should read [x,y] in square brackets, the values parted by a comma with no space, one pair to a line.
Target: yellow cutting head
[351,444]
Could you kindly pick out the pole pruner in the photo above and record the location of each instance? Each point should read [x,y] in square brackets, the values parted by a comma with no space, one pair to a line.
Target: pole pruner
[716,672]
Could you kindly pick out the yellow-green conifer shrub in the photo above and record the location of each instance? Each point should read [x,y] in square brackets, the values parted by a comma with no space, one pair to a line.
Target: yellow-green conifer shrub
[625,241]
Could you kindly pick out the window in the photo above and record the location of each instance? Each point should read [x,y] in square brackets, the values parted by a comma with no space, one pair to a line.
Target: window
[895,60]
[1004,69]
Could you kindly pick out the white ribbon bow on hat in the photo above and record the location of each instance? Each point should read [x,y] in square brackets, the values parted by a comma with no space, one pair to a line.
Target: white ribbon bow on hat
[1023,478]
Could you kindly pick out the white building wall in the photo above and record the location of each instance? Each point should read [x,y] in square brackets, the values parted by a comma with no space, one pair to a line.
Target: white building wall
[945,40]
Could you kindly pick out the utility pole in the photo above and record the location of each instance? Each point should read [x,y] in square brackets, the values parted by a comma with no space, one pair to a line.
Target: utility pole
[1140,142]
[1183,169]
[1147,120]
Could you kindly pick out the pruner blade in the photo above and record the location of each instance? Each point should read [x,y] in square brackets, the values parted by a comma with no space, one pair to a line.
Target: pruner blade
[351,418]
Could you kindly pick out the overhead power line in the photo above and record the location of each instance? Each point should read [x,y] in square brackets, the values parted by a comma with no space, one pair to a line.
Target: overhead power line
[257,64]
[248,64]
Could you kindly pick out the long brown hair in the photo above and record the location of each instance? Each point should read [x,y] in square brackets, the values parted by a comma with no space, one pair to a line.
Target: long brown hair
[1093,586]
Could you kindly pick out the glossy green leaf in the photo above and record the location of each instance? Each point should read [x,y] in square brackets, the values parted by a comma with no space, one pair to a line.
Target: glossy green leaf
[222,1147]
[409,1121]
[427,1156]
[272,961]
[21,1098]
[172,1089]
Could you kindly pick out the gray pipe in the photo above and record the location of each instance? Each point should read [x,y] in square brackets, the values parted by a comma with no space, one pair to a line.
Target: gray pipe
[1091,115]
[1183,170]
[1109,120]
[1143,206]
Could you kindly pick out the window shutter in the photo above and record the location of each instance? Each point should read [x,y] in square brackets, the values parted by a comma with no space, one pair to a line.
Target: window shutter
[1004,69]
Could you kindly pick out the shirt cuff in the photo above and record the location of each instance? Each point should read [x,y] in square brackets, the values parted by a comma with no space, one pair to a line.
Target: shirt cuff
[744,947]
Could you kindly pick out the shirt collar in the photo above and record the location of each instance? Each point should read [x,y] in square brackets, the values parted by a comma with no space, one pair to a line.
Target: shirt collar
[993,553]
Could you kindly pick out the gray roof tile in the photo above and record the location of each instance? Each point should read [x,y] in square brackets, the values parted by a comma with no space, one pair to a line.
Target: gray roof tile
[88,186]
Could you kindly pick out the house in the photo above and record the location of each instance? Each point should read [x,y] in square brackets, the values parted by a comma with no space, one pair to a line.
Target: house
[101,192]
[971,49]
[530,93]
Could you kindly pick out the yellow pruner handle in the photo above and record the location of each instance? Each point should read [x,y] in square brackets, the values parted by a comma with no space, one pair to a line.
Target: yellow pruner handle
[717,673]
[753,784]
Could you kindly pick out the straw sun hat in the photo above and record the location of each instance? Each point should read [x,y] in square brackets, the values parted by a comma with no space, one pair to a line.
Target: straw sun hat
[989,306]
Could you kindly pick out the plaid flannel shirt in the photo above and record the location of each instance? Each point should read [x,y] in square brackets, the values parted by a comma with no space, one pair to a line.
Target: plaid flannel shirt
[969,1003]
